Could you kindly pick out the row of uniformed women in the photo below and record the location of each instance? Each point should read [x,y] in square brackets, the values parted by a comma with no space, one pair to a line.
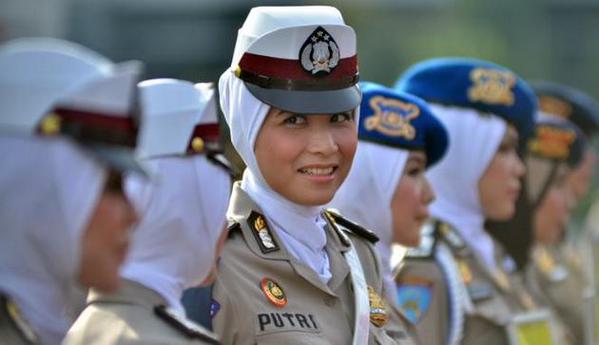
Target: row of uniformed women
[292,272]
[68,130]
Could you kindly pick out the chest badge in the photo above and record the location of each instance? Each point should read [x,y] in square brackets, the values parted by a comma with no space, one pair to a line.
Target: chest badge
[274,292]
[378,310]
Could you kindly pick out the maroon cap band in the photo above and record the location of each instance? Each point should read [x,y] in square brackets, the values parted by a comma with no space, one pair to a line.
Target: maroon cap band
[209,133]
[286,74]
[90,127]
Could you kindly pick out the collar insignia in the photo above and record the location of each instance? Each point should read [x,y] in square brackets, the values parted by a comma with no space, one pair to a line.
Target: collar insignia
[274,292]
[319,55]
[492,86]
[392,117]
[378,310]
[261,232]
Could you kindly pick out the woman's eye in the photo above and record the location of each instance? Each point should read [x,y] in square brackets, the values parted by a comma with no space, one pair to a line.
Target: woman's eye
[342,117]
[415,171]
[295,120]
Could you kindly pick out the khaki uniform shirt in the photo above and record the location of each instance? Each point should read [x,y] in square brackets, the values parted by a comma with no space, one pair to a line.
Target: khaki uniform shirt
[495,297]
[263,295]
[14,329]
[133,315]
[560,286]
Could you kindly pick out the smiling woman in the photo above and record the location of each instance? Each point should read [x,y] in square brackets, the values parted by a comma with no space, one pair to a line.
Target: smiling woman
[290,100]
[312,156]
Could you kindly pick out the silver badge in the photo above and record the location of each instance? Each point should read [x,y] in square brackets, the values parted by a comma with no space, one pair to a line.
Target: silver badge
[320,53]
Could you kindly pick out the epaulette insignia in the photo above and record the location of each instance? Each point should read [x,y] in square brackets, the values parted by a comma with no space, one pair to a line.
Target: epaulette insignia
[414,296]
[14,313]
[187,327]
[262,233]
[450,236]
[427,244]
[547,265]
[351,227]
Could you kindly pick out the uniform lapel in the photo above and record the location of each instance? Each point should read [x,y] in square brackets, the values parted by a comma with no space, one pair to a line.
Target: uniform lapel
[244,211]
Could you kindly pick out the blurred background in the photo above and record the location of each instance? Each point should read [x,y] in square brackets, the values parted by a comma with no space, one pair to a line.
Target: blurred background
[193,39]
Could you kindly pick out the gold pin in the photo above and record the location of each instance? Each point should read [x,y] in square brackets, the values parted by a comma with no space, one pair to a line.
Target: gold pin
[378,310]
[197,144]
[51,124]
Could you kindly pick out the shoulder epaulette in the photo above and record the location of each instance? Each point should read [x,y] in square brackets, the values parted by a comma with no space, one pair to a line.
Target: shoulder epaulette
[352,227]
[428,241]
[449,235]
[14,315]
[185,326]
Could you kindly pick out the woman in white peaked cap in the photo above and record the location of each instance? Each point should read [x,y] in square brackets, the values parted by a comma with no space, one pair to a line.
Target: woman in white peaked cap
[292,273]
[67,134]
[182,223]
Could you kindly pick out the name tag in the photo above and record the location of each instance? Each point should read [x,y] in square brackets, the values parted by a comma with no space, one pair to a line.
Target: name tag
[271,322]
[532,328]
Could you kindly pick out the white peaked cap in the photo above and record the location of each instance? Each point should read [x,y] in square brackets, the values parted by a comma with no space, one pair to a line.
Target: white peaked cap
[298,58]
[171,109]
[280,31]
[36,72]
[113,95]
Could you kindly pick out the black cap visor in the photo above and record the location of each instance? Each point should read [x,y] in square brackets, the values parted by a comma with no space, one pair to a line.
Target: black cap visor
[309,102]
[119,158]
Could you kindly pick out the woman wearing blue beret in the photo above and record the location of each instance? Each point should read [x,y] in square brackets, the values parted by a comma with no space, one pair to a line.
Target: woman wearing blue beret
[386,190]
[454,286]
[535,236]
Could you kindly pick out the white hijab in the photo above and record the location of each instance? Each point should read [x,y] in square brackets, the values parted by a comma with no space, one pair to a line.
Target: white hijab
[301,228]
[473,141]
[48,191]
[366,196]
[182,216]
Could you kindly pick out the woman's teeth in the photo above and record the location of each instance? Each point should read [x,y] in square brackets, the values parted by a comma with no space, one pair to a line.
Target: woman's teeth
[317,171]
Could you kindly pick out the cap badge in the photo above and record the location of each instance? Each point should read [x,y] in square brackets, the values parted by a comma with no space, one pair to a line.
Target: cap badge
[274,293]
[392,117]
[261,232]
[492,86]
[552,142]
[555,106]
[320,53]
[378,310]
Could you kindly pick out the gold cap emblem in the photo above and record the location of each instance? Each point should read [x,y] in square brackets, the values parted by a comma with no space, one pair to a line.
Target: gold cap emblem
[492,86]
[555,106]
[392,117]
[197,144]
[50,124]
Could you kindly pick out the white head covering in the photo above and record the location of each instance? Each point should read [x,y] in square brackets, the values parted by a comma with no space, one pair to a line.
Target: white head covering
[48,191]
[299,227]
[183,215]
[473,141]
[183,210]
[367,193]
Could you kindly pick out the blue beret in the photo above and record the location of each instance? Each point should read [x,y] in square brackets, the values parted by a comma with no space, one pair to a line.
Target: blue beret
[561,141]
[397,119]
[476,84]
[569,103]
